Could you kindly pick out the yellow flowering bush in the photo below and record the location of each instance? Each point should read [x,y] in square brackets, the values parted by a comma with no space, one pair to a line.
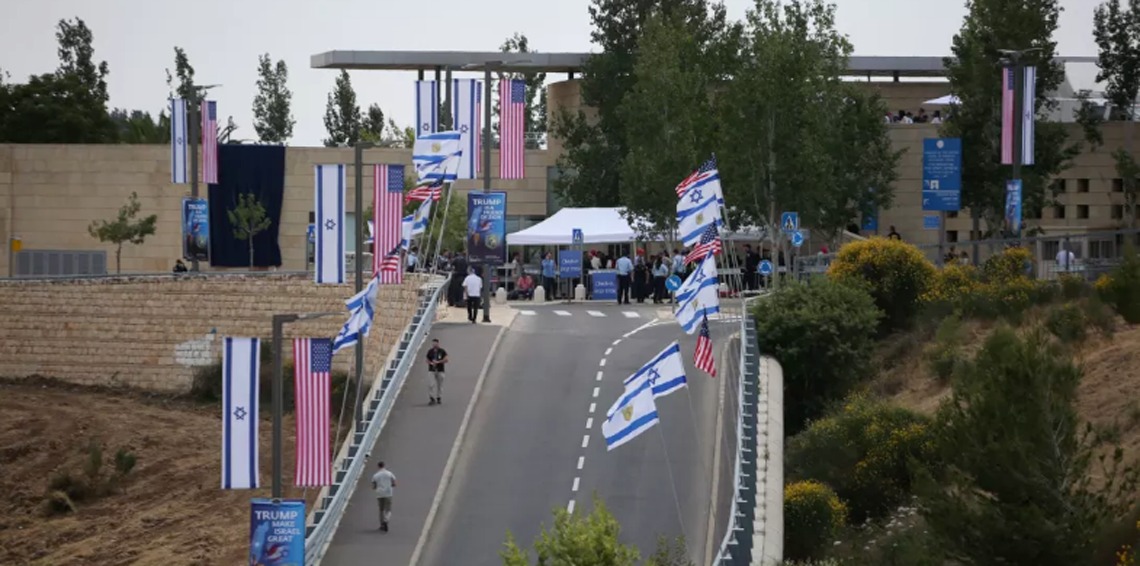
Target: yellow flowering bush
[1011,263]
[863,451]
[897,275]
[953,283]
[1126,556]
[813,516]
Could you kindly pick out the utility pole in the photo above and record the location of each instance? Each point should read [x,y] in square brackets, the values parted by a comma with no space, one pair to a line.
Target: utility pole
[1015,60]
[358,173]
[488,268]
[194,131]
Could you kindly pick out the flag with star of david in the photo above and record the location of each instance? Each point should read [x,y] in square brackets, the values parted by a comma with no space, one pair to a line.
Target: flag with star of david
[240,369]
[665,373]
[329,249]
[466,104]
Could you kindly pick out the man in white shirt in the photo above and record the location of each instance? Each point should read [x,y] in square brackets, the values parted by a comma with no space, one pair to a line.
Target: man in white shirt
[1065,259]
[472,291]
[383,484]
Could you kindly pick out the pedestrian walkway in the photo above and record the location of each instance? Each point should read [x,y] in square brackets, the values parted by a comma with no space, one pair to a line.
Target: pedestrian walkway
[415,445]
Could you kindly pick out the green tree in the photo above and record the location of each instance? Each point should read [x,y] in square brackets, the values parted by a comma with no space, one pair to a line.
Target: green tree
[372,125]
[342,115]
[666,116]
[575,539]
[595,145]
[138,127]
[1116,28]
[1020,480]
[184,73]
[975,78]
[455,228]
[534,121]
[124,228]
[248,219]
[397,137]
[272,106]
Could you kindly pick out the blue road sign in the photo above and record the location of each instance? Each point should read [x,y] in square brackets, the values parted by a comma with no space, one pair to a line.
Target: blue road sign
[765,267]
[312,234]
[789,222]
[931,221]
[673,283]
[797,238]
[942,174]
[576,236]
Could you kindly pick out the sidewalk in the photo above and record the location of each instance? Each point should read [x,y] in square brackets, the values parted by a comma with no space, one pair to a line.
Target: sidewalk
[415,445]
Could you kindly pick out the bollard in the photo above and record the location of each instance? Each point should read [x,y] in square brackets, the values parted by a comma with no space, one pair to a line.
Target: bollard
[580,292]
[539,294]
[501,295]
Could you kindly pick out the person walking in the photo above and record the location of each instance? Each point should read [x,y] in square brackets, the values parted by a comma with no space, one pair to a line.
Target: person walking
[383,485]
[625,271]
[548,277]
[472,291]
[436,359]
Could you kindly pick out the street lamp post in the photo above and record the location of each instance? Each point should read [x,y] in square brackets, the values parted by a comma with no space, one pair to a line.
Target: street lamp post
[1016,60]
[358,168]
[193,126]
[279,322]
[487,269]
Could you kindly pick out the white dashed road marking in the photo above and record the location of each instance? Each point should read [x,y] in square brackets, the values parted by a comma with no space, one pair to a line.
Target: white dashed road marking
[585,441]
[630,314]
[527,313]
[596,313]
[562,313]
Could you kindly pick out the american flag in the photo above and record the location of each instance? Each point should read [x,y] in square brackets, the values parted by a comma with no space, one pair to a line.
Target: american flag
[387,214]
[708,244]
[703,356]
[210,142]
[312,375]
[391,261]
[512,111]
[706,171]
[424,192]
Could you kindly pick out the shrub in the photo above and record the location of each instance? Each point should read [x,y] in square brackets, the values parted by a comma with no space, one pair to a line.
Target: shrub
[206,386]
[1100,316]
[943,355]
[1067,323]
[952,283]
[864,452]
[823,336]
[813,516]
[1121,287]
[65,489]
[1011,263]
[1072,286]
[897,273]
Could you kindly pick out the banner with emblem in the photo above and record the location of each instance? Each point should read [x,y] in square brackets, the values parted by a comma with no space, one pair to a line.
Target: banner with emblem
[466,104]
[487,228]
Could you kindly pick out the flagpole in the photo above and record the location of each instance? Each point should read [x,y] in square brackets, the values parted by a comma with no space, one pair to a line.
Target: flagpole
[672,480]
[443,223]
[730,249]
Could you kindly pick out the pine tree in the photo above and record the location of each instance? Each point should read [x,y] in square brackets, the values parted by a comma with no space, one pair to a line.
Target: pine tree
[534,121]
[342,115]
[372,126]
[272,115]
[1116,28]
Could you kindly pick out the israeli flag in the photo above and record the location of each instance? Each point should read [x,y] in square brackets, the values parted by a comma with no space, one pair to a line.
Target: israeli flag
[240,369]
[427,108]
[436,156]
[698,296]
[178,142]
[466,95]
[637,414]
[665,374]
[330,233]
[698,207]
[362,308]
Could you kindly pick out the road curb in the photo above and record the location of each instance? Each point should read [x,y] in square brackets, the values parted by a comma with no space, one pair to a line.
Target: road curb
[456,448]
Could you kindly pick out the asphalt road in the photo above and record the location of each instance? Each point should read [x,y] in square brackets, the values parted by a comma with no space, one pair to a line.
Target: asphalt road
[415,445]
[525,452]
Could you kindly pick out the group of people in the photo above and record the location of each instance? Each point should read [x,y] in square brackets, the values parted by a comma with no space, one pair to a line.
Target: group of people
[907,117]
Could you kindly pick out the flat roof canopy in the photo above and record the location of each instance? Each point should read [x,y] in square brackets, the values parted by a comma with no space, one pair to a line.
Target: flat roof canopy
[905,66]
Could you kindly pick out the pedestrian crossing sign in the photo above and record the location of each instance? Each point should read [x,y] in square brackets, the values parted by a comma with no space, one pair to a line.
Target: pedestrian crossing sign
[790,222]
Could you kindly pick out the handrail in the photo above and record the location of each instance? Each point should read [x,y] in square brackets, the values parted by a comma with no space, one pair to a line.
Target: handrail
[327,519]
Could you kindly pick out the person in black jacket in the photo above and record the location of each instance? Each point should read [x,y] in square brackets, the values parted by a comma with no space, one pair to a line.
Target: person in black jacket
[455,286]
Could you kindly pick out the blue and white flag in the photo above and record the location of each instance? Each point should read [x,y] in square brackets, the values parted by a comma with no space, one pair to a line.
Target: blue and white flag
[466,95]
[1029,115]
[179,142]
[329,248]
[698,296]
[362,308]
[637,414]
[696,209]
[436,156]
[240,369]
[427,108]
[665,374]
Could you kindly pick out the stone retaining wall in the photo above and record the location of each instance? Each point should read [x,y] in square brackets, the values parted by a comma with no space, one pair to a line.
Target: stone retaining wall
[152,331]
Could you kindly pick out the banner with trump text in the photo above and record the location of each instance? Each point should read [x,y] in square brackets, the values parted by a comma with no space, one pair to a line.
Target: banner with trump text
[487,228]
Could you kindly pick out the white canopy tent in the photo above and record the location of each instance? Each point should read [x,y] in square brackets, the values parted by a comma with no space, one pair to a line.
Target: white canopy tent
[598,225]
[947,100]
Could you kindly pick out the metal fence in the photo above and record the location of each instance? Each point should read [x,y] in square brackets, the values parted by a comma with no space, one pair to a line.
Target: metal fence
[332,503]
[1086,254]
[736,548]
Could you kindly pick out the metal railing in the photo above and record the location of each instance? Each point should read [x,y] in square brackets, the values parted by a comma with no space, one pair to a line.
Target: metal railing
[332,503]
[1093,253]
[736,548]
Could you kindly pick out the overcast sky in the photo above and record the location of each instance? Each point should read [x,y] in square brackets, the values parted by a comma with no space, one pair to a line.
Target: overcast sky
[224,37]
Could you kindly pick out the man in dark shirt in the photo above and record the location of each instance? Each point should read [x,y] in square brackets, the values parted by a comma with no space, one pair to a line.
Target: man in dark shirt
[436,358]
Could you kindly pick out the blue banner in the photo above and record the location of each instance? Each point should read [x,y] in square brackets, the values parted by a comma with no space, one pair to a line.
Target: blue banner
[195,229]
[277,532]
[941,174]
[1013,206]
[604,285]
[569,264]
[487,228]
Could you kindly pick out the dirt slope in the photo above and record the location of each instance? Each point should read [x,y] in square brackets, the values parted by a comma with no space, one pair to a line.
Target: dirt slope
[170,511]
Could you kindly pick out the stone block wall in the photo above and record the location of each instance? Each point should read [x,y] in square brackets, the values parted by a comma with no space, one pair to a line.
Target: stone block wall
[151,332]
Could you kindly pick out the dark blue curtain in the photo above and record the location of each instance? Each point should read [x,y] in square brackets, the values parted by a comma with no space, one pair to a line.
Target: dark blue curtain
[247,169]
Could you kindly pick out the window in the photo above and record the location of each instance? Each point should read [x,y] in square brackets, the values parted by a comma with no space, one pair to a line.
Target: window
[1118,185]
[1082,185]
[1059,211]
[1117,212]
[1102,249]
[952,214]
[1058,185]
[1082,211]
[951,236]
[1033,212]
[57,263]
